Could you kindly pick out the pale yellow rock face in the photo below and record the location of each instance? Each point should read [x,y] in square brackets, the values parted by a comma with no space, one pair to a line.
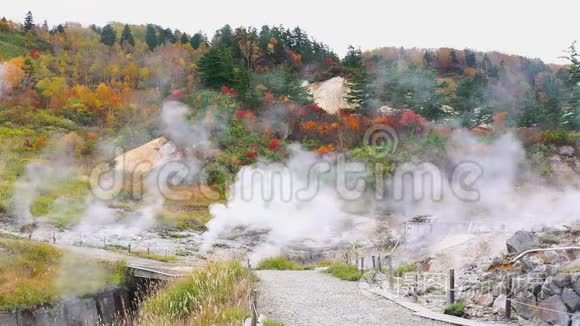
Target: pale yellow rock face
[329,94]
[141,160]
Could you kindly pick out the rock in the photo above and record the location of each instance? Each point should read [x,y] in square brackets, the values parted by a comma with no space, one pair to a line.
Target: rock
[551,269]
[555,229]
[496,261]
[576,320]
[522,241]
[329,94]
[485,267]
[566,151]
[571,299]
[574,227]
[549,288]
[530,263]
[498,289]
[541,269]
[422,290]
[485,300]
[562,172]
[557,313]
[576,286]
[499,304]
[552,257]
[562,280]
[528,309]
[520,283]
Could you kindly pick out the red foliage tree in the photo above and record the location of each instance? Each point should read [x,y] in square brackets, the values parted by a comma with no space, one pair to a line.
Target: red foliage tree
[274,145]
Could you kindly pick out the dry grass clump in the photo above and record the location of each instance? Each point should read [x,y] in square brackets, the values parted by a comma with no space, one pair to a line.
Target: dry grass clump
[33,273]
[215,295]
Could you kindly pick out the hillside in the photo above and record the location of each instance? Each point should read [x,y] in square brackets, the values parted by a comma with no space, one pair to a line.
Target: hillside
[248,93]
[261,145]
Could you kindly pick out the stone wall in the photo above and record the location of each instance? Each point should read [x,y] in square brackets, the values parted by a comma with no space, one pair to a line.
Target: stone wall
[102,308]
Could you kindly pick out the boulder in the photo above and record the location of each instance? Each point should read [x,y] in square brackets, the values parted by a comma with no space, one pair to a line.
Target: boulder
[496,261]
[525,304]
[576,320]
[498,289]
[499,304]
[549,288]
[562,172]
[551,257]
[566,151]
[576,285]
[485,300]
[553,311]
[562,280]
[522,241]
[571,299]
[530,263]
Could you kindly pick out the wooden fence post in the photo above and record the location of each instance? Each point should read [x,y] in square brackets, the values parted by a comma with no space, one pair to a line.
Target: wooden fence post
[254,308]
[451,286]
[391,273]
[374,265]
[379,263]
[508,300]
[362,263]
[416,286]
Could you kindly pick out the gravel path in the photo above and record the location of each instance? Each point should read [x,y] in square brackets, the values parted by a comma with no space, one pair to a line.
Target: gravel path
[311,298]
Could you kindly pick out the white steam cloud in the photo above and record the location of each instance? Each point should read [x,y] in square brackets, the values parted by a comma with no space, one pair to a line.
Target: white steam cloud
[265,199]
[295,203]
[508,192]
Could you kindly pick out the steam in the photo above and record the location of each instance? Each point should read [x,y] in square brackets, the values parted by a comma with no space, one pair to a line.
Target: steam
[509,193]
[99,220]
[57,166]
[510,197]
[295,203]
[177,127]
[183,136]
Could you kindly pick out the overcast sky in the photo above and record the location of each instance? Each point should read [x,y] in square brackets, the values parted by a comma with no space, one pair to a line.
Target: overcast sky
[532,28]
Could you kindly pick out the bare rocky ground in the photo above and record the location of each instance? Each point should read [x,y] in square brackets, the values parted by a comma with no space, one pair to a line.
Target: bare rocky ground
[313,298]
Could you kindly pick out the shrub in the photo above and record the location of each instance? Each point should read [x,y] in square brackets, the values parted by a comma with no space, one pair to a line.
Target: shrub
[278,263]
[456,309]
[557,137]
[344,271]
[405,268]
[41,206]
[550,239]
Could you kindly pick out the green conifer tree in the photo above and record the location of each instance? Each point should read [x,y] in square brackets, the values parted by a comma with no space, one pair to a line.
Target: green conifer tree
[108,35]
[127,36]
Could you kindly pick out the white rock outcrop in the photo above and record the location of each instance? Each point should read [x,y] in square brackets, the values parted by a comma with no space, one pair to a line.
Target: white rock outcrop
[329,94]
